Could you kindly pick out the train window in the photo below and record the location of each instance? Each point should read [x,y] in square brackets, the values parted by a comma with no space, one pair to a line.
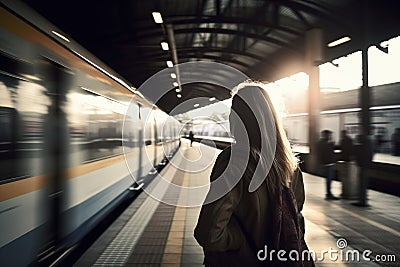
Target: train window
[9,65]
[97,126]
[23,110]
[385,135]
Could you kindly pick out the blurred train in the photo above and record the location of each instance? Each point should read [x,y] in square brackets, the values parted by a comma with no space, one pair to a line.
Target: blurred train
[340,111]
[74,138]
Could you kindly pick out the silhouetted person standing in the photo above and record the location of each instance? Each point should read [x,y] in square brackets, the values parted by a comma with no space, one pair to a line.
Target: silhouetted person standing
[364,155]
[346,146]
[191,137]
[396,142]
[327,160]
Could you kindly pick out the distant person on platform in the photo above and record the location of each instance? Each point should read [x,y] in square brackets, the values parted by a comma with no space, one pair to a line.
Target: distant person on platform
[364,155]
[327,160]
[191,137]
[346,146]
[396,142]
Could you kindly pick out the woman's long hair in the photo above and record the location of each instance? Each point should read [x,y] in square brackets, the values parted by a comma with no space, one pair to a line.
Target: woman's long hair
[254,121]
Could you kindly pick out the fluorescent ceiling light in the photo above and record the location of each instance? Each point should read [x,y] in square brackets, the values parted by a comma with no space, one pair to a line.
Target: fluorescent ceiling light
[177,90]
[333,111]
[61,36]
[212,98]
[196,105]
[178,95]
[157,17]
[170,64]
[175,84]
[173,75]
[339,41]
[31,77]
[384,107]
[296,115]
[164,46]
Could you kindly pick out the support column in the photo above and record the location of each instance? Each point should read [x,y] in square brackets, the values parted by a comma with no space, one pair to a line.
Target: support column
[365,95]
[313,55]
[365,151]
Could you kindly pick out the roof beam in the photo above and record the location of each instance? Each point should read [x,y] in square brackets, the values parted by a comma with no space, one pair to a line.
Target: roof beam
[238,32]
[203,50]
[137,64]
[316,10]
[301,17]
[215,58]
[230,32]
[204,19]
[257,13]
[176,20]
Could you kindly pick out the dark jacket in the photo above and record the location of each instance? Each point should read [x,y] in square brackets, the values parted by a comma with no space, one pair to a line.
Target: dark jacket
[364,153]
[233,228]
[326,152]
[346,145]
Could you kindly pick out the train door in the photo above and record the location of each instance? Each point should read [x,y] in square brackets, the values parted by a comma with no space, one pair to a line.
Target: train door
[156,142]
[149,139]
[56,146]
[132,134]
[32,155]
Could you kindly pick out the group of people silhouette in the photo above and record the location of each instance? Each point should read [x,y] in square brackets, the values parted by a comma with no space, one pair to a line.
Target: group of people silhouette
[360,151]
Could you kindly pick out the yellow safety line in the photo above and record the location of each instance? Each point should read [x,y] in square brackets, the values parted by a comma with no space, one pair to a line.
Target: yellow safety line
[174,245]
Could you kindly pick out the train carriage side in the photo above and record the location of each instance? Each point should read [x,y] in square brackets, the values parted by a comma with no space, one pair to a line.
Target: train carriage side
[63,164]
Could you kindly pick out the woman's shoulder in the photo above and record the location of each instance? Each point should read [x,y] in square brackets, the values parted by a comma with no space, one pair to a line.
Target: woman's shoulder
[221,163]
[230,161]
[232,153]
[225,155]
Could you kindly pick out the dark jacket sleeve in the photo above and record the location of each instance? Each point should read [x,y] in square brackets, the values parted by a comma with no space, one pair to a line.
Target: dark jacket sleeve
[217,229]
[298,190]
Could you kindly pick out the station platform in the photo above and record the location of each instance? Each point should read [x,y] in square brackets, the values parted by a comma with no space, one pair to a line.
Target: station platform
[151,232]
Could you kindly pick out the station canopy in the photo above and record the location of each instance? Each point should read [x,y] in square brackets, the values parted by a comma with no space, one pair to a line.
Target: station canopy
[263,39]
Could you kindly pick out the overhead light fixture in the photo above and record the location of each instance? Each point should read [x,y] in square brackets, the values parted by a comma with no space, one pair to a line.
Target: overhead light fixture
[173,75]
[157,17]
[31,77]
[61,36]
[339,41]
[384,107]
[177,90]
[175,84]
[212,98]
[164,46]
[178,95]
[170,64]
[196,105]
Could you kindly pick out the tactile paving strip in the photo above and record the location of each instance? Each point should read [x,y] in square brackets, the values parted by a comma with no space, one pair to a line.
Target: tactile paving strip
[119,250]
